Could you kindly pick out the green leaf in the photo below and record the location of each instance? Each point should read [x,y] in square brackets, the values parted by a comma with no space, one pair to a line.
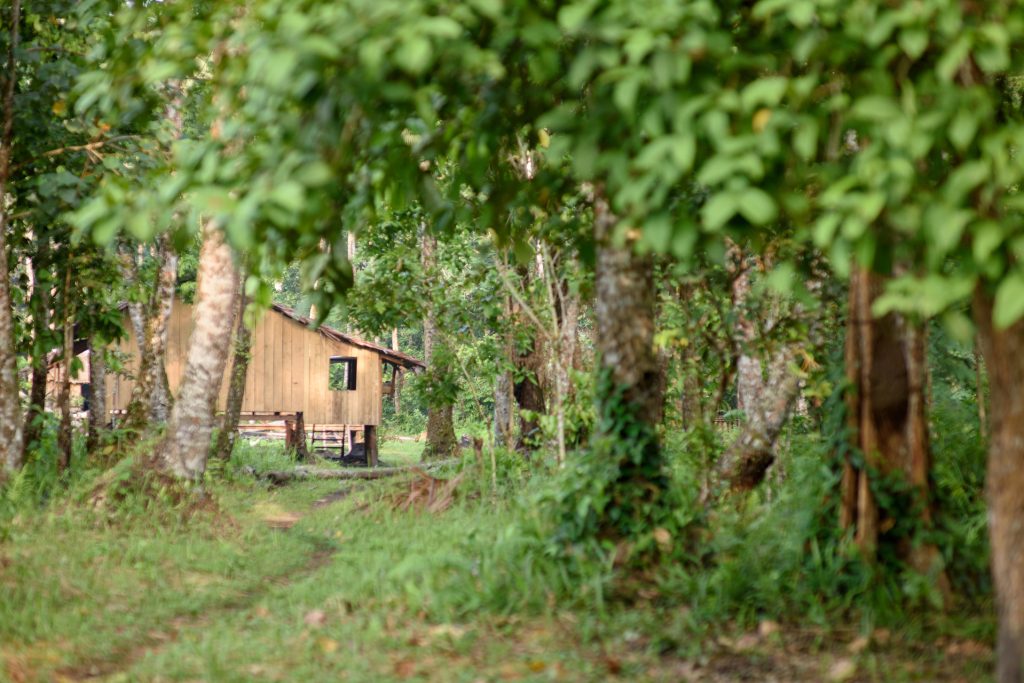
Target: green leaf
[657,232]
[625,94]
[1009,304]
[965,178]
[414,55]
[913,41]
[876,108]
[953,57]
[801,13]
[684,151]
[805,139]
[289,195]
[988,235]
[492,9]
[314,174]
[765,92]
[717,211]
[441,27]
[757,206]
[140,225]
[572,17]
[962,129]
[825,229]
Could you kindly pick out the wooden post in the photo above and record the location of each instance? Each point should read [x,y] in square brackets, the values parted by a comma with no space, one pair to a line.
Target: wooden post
[352,439]
[370,441]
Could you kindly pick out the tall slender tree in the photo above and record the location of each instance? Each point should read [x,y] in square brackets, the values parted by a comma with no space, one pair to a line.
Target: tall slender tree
[11,423]
[186,447]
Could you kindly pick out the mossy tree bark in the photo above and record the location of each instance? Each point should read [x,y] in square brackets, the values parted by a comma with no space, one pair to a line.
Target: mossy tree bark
[629,391]
[186,447]
[1003,350]
[441,441]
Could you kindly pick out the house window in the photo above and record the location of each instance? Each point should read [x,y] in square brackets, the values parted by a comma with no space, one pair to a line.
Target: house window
[342,375]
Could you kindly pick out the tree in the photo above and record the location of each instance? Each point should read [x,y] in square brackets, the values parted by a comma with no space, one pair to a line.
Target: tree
[185,449]
[10,408]
[440,427]
[236,384]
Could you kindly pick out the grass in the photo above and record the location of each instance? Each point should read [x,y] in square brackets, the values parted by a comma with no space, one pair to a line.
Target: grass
[327,581]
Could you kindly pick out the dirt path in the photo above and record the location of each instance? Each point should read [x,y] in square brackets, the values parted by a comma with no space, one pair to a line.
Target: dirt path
[124,658]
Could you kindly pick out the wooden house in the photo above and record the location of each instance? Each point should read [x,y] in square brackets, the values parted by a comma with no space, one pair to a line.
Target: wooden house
[335,380]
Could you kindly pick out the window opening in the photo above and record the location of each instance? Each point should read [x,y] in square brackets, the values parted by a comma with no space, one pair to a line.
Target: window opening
[342,375]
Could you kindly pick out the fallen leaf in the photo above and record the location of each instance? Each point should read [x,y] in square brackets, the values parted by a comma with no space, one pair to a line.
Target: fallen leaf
[328,645]
[968,648]
[405,668]
[536,665]
[767,628]
[858,645]
[662,537]
[453,631]
[746,642]
[842,670]
[315,618]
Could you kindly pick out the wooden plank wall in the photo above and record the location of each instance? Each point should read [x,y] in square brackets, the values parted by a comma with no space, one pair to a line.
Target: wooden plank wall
[288,371]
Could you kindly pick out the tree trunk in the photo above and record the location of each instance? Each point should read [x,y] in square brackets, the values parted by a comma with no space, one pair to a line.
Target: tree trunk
[528,362]
[624,310]
[236,388]
[629,393]
[167,278]
[65,442]
[397,376]
[529,395]
[886,370]
[97,393]
[39,304]
[744,465]
[440,425]
[187,445]
[503,434]
[151,398]
[10,407]
[568,317]
[980,392]
[749,372]
[1003,351]
[37,394]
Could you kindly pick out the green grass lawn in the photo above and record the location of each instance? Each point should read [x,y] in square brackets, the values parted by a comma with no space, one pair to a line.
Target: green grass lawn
[327,581]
